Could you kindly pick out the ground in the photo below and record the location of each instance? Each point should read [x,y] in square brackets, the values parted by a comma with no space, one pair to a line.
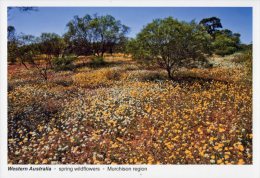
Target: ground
[125,112]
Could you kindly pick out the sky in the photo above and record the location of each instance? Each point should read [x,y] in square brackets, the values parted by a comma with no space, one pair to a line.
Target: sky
[54,19]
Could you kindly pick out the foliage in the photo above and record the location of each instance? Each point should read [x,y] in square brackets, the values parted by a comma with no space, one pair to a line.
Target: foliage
[11,33]
[12,45]
[64,63]
[27,49]
[96,34]
[172,44]
[97,61]
[212,25]
[226,42]
[21,9]
[137,50]
[51,44]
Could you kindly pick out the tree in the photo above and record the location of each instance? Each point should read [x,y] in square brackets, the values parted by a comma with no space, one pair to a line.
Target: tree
[173,44]
[11,33]
[121,46]
[12,44]
[27,50]
[226,42]
[212,25]
[48,44]
[51,44]
[107,32]
[95,34]
[12,37]
[79,35]
[137,50]
[21,9]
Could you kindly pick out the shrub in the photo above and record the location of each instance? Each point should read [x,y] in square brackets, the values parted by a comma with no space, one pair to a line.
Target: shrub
[64,63]
[97,61]
[226,42]
[225,51]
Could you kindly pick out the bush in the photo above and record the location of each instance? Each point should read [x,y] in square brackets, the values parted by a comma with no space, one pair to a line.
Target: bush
[225,51]
[64,63]
[97,61]
[226,43]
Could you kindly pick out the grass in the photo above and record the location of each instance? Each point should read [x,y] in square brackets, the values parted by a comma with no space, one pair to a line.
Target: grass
[127,113]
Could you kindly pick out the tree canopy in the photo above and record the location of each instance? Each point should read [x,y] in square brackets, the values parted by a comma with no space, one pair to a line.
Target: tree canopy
[172,43]
[212,25]
[95,34]
[226,42]
[51,44]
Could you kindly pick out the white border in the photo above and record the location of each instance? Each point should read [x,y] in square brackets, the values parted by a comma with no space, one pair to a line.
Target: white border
[169,171]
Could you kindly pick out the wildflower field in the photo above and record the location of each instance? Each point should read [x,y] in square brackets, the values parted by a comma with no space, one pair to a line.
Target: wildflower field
[125,112]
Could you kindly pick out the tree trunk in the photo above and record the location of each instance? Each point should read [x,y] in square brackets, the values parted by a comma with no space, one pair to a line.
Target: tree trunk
[24,65]
[111,51]
[169,73]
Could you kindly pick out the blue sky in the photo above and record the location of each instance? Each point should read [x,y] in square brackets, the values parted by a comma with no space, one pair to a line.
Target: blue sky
[54,19]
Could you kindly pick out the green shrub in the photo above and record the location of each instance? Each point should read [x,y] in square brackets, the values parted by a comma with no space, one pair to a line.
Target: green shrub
[225,51]
[97,61]
[64,63]
[226,42]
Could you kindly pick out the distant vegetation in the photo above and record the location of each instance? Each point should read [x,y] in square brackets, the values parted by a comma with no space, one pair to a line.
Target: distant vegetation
[169,43]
